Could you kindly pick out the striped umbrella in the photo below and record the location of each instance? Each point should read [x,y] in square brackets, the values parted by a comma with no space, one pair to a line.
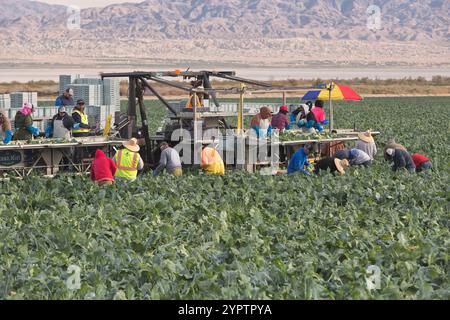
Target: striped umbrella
[332,92]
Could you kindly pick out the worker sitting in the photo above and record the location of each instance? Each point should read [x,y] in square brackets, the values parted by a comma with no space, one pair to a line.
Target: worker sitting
[103,169]
[5,124]
[80,118]
[401,158]
[212,162]
[128,161]
[280,121]
[262,123]
[308,122]
[421,162]
[319,113]
[299,161]
[170,160]
[61,125]
[331,164]
[355,156]
[66,99]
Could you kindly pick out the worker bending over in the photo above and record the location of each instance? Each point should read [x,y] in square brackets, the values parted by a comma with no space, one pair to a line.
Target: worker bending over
[170,160]
[5,124]
[128,161]
[212,162]
[299,161]
[103,169]
[401,159]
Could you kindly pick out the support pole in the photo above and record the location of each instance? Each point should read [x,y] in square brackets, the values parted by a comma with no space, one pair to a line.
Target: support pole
[330,100]
[132,129]
[240,119]
[144,123]
[284,98]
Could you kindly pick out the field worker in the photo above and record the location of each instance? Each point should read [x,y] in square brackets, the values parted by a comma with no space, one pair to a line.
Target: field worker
[212,162]
[319,113]
[103,169]
[391,144]
[280,121]
[262,122]
[24,123]
[299,161]
[61,125]
[332,164]
[170,160]
[128,161]
[367,144]
[308,122]
[421,162]
[355,156]
[5,124]
[401,158]
[66,99]
[81,119]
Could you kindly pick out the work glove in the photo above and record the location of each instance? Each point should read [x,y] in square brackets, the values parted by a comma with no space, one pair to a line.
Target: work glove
[326,122]
[76,126]
[8,136]
[302,123]
[289,127]
[35,131]
[48,131]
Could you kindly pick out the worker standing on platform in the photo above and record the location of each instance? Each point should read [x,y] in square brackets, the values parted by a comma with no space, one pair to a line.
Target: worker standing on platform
[66,99]
[262,122]
[61,125]
[280,121]
[80,118]
[198,96]
[308,122]
[319,113]
[170,160]
[212,162]
[5,124]
[128,161]
[24,123]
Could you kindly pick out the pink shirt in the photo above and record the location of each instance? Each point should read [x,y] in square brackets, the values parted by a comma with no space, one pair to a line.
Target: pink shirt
[319,113]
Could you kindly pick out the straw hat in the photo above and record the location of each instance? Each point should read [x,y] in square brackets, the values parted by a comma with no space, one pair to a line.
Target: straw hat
[341,165]
[132,145]
[366,136]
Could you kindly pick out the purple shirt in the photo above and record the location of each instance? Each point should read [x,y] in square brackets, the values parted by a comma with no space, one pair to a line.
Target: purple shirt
[280,121]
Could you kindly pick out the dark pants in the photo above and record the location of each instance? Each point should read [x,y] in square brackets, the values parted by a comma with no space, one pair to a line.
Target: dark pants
[425,166]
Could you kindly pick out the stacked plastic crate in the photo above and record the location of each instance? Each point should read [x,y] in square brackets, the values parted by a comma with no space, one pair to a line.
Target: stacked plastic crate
[5,101]
[19,98]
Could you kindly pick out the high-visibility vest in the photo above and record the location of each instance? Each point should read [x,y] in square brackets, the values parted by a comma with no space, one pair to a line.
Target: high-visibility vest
[212,163]
[84,120]
[127,164]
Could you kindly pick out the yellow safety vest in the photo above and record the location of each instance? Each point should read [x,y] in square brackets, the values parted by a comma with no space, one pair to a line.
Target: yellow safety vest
[127,164]
[84,120]
[190,105]
[212,163]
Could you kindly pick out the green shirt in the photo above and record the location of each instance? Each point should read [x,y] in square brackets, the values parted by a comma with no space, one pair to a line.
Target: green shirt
[21,122]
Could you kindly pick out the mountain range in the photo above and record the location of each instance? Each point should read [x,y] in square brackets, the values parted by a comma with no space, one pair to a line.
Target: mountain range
[259,32]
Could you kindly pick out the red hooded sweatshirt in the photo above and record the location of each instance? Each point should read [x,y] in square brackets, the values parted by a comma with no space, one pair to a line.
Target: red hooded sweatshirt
[103,168]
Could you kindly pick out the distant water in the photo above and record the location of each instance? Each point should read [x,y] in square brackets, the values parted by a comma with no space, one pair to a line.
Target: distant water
[265,73]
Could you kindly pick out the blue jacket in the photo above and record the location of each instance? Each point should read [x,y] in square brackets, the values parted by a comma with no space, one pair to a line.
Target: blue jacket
[298,162]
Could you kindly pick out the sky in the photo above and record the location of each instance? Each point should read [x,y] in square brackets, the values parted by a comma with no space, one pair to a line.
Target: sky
[87,3]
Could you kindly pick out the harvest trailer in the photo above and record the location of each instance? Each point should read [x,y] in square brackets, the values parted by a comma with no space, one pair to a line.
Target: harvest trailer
[213,113]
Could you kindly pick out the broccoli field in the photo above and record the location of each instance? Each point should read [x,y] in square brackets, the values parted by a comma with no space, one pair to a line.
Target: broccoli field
[242,236]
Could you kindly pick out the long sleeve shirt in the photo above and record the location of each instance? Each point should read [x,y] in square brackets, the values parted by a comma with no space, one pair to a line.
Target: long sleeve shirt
[63,101]
[402,159]
[280,121]
[77,118]
[358,157]
[68,121]
[170,160]
[369,148]
[298,162]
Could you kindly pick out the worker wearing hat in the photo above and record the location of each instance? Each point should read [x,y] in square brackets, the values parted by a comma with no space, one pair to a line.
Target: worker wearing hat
[128,161]
[80,118]
[212,162]
[262,122]
[61,125]
[5,124]
[367,144]
[280,121]
[66,99]
[401,159]
[332,164]
[306,120]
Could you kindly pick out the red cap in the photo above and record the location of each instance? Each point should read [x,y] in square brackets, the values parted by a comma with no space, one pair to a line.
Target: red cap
[284,108]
